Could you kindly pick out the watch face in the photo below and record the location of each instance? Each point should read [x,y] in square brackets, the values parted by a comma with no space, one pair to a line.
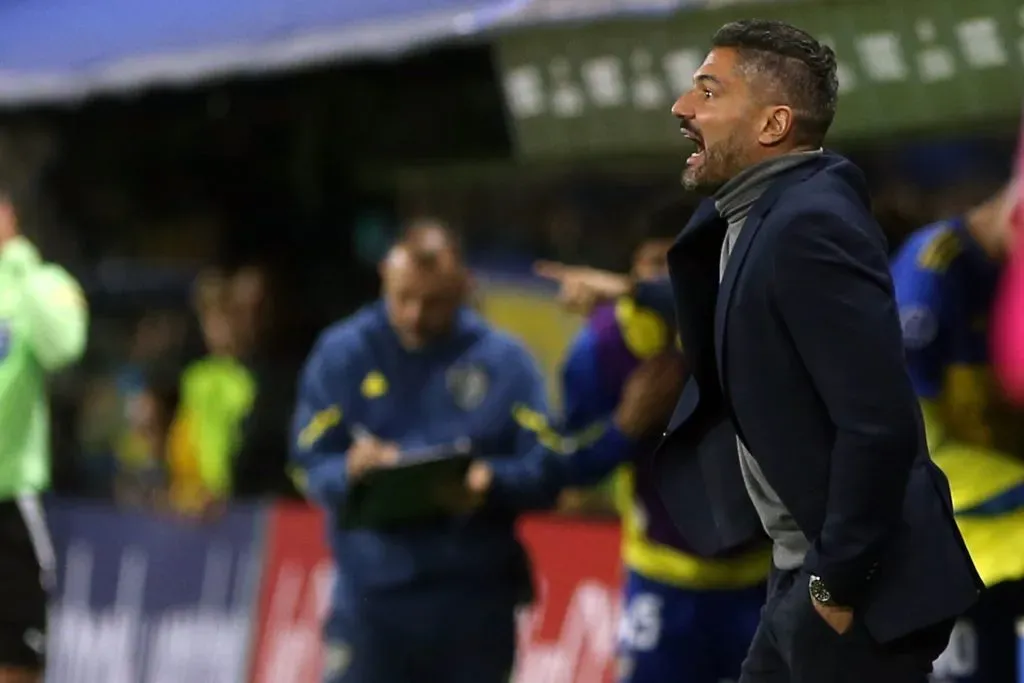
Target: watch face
[819,592]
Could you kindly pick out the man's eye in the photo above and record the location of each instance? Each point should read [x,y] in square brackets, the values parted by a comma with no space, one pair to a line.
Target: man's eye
[707,94]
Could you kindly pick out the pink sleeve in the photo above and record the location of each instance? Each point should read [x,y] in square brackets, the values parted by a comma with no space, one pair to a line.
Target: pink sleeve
[1008,311]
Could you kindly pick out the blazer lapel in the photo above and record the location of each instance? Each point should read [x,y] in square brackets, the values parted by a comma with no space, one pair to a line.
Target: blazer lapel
[740,249]
[703,218]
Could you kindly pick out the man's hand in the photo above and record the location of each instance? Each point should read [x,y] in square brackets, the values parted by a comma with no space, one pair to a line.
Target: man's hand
[650,395]
[479,478]
[369,453]
[582,288]
[839,619]
[461,498]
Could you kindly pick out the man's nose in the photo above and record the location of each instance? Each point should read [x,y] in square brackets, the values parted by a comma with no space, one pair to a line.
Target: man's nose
[682,109]
[415,314]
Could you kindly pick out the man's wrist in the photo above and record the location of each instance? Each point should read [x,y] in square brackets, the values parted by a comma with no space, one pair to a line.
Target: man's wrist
[819,591]
[624,425]
[630,284]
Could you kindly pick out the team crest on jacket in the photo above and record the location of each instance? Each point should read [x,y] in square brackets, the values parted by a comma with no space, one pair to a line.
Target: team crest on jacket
[467,385]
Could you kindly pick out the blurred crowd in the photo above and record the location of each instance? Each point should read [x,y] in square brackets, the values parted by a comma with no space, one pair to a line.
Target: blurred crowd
[183,404]
[193,411]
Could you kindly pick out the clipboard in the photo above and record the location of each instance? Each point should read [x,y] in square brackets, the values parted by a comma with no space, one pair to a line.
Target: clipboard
[406,493]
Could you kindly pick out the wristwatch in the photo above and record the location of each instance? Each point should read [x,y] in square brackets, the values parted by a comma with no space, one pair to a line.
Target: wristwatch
[819,593]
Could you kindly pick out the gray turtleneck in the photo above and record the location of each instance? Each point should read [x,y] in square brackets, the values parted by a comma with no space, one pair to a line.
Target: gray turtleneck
[733,202]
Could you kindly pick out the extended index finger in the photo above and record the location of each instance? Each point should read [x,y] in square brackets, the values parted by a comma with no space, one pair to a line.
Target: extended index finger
[551,270]
[388,454]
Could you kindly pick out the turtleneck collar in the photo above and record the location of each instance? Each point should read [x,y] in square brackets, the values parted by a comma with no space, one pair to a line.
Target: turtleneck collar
[734,199]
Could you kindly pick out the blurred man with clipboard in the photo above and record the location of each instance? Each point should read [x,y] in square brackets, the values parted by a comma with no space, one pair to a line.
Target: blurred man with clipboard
[392,403]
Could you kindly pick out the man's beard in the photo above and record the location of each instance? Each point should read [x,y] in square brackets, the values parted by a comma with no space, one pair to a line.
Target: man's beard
[721,163]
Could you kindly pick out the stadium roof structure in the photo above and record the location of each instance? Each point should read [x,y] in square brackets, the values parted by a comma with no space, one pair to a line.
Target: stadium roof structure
[60,51]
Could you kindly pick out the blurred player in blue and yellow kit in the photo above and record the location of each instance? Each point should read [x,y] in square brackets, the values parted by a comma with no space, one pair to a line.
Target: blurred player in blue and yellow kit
[684,618]
[945,277]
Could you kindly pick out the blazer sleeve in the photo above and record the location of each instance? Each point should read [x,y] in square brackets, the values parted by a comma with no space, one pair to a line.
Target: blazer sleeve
[832,289]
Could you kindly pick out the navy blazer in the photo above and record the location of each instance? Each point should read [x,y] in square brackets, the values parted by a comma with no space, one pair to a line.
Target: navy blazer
[799,350]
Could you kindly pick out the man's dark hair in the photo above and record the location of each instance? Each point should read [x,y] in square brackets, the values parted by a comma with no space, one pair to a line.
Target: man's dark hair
[427,252]
[797,66]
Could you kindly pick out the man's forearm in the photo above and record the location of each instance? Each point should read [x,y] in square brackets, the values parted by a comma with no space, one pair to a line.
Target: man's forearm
[867,488]
[534,482]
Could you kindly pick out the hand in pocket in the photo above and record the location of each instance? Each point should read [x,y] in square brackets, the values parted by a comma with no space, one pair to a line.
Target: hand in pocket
[839,619]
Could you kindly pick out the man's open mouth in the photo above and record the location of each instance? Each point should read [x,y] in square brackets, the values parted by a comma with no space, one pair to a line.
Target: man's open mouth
[698,155]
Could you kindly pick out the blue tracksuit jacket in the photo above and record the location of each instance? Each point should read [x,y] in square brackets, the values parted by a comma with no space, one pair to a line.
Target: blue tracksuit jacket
[479,384]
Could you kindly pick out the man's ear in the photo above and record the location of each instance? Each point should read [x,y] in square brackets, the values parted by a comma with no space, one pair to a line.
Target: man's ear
[777,125]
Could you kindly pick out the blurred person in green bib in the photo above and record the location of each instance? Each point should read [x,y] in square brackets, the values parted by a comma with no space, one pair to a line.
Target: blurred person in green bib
[43,328]
[217,393]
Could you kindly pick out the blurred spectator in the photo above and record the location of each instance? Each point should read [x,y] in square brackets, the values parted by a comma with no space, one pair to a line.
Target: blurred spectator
[227,439]
[217,394]
[141,479]
[945,277]
[106,424]
[650,262]
[259,464]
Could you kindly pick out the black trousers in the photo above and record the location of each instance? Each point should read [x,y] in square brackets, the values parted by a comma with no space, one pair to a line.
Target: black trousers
[793,644]
[25,557]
